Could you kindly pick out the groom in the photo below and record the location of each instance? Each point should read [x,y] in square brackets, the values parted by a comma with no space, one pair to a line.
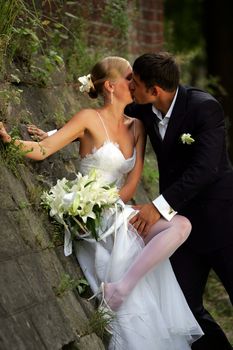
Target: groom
[186,129]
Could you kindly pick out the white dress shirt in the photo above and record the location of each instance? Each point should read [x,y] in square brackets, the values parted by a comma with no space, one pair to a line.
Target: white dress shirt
[160,202]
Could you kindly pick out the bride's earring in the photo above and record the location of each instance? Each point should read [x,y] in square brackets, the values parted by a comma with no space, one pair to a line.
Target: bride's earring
[111,97]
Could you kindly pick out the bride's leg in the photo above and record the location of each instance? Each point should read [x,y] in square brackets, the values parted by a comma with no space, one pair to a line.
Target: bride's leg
[161,242]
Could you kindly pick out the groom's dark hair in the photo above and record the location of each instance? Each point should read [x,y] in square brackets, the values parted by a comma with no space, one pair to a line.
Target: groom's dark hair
[158,69]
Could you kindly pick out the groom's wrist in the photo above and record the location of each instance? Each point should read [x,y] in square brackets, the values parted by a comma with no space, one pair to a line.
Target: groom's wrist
[164,208]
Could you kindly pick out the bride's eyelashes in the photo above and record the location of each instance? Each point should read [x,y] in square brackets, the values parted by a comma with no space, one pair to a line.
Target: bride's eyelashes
[129,77]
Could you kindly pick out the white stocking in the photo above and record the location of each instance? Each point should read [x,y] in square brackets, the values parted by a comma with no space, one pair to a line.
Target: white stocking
[161,242]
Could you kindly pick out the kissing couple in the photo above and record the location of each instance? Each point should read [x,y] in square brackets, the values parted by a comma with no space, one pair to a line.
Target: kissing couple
[152,270]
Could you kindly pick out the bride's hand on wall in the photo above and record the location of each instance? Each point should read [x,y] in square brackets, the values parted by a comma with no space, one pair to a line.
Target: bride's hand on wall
[36,133]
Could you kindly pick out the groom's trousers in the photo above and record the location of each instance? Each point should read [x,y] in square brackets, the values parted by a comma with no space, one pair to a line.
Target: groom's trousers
[193,261]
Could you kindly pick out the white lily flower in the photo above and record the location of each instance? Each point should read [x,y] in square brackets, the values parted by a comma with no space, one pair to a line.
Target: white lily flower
[81,201]
[86,82]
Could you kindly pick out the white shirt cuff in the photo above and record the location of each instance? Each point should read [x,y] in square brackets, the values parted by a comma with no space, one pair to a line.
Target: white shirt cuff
[164,208]
[51,132]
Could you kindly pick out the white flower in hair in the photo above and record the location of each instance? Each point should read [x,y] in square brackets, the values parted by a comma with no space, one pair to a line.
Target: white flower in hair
[86,82]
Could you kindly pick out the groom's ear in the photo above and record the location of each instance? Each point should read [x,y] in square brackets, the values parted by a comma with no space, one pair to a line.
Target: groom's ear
[154,90]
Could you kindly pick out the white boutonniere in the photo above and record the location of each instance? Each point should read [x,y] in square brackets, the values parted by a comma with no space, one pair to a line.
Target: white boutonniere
[187,138]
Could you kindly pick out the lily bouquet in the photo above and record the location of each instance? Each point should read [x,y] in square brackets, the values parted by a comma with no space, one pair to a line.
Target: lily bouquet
[79,203]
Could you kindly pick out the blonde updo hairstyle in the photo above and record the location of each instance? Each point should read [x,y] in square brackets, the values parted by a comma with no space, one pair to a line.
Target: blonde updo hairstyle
[110,68]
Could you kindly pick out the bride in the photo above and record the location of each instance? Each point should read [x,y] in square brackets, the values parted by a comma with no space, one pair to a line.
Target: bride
[131,275]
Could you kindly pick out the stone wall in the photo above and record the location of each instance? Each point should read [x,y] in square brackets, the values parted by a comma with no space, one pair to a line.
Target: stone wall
[32,314]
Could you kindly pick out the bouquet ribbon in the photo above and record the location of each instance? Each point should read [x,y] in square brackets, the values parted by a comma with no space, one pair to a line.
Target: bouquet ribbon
[112,229]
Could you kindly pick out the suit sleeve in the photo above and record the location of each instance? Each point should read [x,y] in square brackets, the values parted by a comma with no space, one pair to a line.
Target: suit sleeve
[204,165]
[133,110]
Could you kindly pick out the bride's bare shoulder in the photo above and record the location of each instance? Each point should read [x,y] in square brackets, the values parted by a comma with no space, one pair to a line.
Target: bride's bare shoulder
[86,112]
[87,115]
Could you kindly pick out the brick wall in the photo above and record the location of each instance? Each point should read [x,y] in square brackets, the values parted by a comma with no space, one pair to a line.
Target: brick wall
[145,18]
[145,31]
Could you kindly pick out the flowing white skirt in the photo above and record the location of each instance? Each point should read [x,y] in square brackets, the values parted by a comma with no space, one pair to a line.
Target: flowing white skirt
[156,315]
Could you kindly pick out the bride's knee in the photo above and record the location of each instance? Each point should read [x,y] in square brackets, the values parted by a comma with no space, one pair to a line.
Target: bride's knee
[185,227]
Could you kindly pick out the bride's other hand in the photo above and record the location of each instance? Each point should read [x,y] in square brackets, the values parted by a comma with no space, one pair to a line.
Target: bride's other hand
[6,138]
[36,133]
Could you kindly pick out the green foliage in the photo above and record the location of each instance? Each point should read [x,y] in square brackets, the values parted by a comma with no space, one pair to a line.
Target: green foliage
[41,43]
[24,44]
[34,194]
[13,155]
[9,96]
[116,14]
[80,58]
[24,205]
[99,321]
[59,119]
[183,27]
[8,14]
[42,69]
[68,284]
[183,36]
[193,71]
[27,45]
[25,116]
[150,174]
[57,233]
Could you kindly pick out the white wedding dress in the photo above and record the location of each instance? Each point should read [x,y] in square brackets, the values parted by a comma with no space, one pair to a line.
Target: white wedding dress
[155,316]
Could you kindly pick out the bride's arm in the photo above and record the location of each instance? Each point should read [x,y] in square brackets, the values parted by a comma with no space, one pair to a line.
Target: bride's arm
[128,189]
[72,130]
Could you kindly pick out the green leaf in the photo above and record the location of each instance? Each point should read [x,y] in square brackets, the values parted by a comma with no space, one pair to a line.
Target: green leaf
[71,15]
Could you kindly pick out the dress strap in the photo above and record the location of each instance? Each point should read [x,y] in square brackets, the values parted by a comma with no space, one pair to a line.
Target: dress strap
[134,130]
[103,125]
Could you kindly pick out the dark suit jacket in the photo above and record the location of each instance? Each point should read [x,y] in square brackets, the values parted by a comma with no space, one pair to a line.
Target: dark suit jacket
[190,175]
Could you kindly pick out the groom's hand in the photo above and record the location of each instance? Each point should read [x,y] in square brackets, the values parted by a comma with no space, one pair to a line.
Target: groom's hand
[147,216]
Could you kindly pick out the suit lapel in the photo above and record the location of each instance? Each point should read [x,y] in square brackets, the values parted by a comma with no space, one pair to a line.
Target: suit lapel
[176,119]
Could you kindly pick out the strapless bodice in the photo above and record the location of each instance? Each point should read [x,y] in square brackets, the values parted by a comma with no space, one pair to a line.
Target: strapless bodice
[110,162]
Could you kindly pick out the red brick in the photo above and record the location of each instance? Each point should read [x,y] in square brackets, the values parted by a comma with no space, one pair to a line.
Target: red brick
[145,32]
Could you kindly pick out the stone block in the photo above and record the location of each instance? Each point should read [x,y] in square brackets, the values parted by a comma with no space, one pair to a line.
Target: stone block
[91,342]
[12,193]
[18,333]
[12,243]
[52,268]
[36,275]
[74,311]
[51,325]
[70,263]
[16,294]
